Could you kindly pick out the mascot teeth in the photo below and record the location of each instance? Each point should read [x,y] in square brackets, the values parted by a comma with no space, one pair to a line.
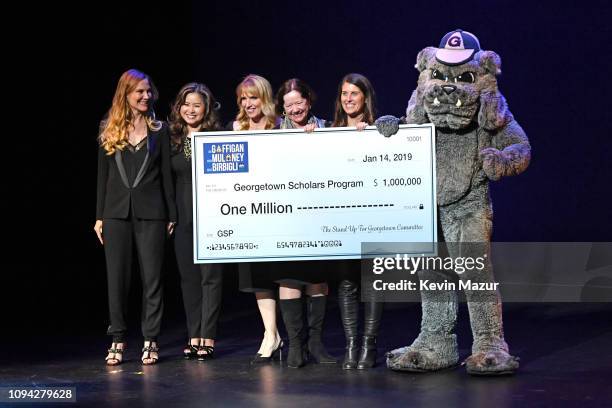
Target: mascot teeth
[458,104]
[436,102]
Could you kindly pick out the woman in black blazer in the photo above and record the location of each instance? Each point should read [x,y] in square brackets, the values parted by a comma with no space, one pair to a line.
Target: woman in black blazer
[135,201]
[194,110]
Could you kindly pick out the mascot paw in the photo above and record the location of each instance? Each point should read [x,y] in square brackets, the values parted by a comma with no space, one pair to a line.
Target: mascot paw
[493,163]
[418,360]
[496,362]
[387,125]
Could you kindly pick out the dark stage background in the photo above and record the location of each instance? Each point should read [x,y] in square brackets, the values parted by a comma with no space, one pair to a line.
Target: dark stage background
[556,78]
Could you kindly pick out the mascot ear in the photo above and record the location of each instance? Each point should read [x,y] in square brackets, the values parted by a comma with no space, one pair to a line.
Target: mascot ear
[423,58]
[415,112]
[490,61]
[493,107]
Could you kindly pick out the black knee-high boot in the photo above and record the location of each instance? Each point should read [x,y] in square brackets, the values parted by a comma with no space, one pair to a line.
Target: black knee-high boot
[291,310]
[349,311]
[372,312]
[316,317]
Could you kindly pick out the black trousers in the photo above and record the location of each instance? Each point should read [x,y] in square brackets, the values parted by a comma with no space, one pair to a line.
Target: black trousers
[202,287]
[120,238]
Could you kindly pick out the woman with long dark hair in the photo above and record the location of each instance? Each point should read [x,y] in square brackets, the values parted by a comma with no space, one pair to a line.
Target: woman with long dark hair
[194,110]
[355,106]
[355,102]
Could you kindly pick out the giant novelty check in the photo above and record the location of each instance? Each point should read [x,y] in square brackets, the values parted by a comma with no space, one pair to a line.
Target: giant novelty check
[281,195]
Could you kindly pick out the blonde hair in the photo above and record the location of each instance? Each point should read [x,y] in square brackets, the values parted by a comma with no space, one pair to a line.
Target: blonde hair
[115,128]
[260,87]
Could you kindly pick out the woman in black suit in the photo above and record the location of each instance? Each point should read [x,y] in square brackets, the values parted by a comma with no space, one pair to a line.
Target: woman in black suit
[135,201]
[194,110]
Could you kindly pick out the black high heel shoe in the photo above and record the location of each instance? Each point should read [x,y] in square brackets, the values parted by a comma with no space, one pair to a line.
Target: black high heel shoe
[209,353]
[277,354]
[190,351]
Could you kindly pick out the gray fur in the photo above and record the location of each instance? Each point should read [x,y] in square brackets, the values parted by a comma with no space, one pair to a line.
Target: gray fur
[436,346]
[476,142]
[387,125]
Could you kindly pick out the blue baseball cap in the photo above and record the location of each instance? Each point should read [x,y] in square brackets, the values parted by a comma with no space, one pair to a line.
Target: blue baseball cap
[457,47]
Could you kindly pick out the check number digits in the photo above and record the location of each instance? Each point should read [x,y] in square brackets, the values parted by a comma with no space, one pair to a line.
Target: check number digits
[308,244]
[234,246]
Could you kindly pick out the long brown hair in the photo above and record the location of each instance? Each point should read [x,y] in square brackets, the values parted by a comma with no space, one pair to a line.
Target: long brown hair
[260,87]
[369,108]
[178,127]
[115,128]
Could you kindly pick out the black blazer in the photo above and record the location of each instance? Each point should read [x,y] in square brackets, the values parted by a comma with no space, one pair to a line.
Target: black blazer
[151,195]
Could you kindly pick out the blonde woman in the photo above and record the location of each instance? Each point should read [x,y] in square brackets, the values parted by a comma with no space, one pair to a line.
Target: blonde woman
[135,202]
[256,111]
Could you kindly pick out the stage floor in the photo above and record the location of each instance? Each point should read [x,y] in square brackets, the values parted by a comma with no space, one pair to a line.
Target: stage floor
[565,350]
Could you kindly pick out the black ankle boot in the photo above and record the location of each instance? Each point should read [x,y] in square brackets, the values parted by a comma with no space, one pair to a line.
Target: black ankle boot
[351,354]
[291,310]
[367,356]
[316,317]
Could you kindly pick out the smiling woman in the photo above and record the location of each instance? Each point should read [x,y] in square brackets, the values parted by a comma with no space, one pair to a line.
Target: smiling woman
[255,104]
[135,201]
[255,112]
[194,110]
[355,102]
[294,101]
[355,107]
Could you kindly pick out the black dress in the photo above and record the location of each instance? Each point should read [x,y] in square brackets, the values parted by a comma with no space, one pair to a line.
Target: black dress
[253,277]
[302,272]
[265,276]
